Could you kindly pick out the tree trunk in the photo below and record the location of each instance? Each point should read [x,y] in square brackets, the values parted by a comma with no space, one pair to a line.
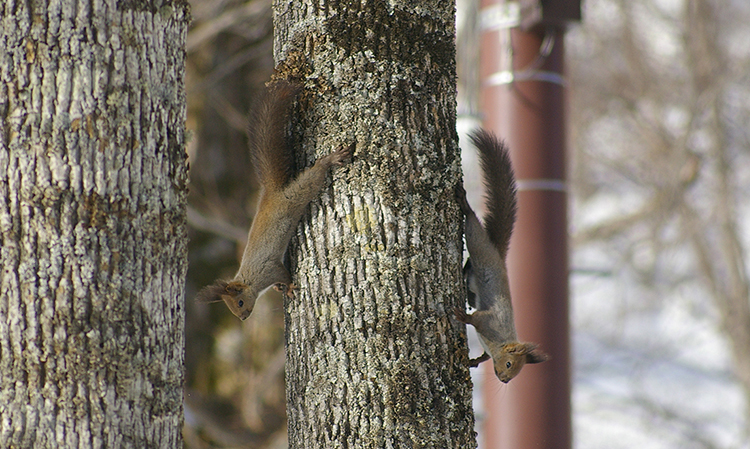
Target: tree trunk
[92,223]
[374,356]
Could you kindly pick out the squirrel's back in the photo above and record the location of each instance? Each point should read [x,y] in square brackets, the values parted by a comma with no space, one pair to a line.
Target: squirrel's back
[270,149]
[500,185]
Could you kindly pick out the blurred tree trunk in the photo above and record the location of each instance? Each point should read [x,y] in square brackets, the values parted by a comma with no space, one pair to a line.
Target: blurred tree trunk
[92,223]
[374,357]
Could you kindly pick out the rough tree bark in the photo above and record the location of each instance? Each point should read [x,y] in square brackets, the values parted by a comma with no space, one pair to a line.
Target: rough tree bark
[374,357]
[92,223]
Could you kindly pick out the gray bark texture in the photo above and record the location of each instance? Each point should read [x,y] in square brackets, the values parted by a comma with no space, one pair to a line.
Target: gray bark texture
[93,182]
[374,356]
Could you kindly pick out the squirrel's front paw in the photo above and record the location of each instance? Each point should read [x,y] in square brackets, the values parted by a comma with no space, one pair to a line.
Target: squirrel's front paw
[290,290]
[342,154]
[287,290]
[461,315]
[473,363]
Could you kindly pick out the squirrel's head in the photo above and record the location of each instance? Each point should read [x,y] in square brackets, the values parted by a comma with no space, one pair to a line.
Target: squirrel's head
[238,296]
[513,357]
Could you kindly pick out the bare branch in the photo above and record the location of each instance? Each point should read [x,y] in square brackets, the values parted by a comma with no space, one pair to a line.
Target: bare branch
[214,225]
[206,31]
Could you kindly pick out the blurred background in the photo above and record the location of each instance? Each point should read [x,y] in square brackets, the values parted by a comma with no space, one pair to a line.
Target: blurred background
[659,143]
[234,393]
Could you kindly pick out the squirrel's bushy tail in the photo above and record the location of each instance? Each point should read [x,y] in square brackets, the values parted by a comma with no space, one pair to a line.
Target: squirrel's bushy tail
[500,185]
[270,150]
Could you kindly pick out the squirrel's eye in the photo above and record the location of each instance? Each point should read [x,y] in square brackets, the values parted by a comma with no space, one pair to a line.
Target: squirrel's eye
[240,303]
[508,364]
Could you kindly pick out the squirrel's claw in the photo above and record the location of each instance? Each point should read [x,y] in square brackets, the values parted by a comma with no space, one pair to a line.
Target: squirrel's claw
[287,290]
[290,290]
[342,154]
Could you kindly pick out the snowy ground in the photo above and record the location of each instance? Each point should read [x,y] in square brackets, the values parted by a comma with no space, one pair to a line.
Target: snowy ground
[654,378]
[660,381]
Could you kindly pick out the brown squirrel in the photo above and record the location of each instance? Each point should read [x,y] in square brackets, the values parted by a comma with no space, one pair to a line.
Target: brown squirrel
[485,272]
[282,202]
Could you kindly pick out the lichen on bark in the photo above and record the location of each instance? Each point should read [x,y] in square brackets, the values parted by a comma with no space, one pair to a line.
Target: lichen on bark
[373,357]
[92,224]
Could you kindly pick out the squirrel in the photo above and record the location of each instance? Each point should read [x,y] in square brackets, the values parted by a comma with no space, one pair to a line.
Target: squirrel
[282,203]
[485,272]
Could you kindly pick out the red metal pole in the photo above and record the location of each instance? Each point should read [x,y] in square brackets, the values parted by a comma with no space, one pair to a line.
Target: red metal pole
[527,109]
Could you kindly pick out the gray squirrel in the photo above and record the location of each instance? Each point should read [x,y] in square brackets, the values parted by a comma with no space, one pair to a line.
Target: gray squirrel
[282,202]
[485,272]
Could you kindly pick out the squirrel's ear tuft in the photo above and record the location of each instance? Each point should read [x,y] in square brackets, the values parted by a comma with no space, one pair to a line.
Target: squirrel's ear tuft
[535,355]
[213,292]
[528,351]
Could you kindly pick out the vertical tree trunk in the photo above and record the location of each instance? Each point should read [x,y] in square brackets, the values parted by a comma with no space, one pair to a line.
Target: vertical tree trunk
[374,357]
[92,223]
